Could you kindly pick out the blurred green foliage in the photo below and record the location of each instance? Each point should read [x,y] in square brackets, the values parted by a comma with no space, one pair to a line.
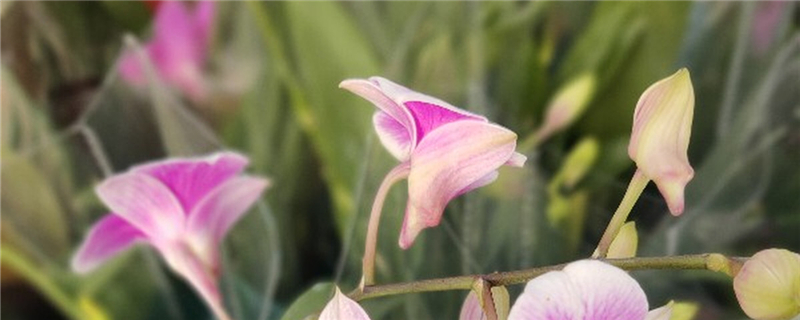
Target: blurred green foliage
[68,121]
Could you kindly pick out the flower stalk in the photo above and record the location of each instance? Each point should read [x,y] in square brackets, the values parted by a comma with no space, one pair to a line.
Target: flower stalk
[399,172]
[709,261]
[635,188]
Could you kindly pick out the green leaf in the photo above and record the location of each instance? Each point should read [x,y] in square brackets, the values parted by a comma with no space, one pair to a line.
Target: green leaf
[310,302]
[336,121]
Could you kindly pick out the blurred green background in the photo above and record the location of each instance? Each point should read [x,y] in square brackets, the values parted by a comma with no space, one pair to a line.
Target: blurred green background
[69,120]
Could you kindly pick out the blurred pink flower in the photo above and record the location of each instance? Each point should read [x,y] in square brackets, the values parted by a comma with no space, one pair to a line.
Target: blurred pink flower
[585,290]
[181,207]
[448,151]
[178,48]
[766,24]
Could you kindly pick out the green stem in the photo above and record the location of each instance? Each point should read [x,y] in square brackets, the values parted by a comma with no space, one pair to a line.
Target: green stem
[368,262]
[709,261]
[635,188]
[20,265]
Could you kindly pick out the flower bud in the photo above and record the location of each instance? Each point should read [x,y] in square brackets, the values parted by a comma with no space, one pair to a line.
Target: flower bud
[662,125]
[768,285]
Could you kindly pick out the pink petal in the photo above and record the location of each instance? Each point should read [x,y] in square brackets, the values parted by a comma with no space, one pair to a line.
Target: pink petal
[393,135]
[485,180]
[179,48]
[428,112]
[109,236]
[145,203]
[402,95]
[191,179]
[373,93]
[428,117]
[215,214]
[183,261]
[453,159]
[342,308]
[174,29]
[517,160]
[203,19]
[471,309]
[584,290]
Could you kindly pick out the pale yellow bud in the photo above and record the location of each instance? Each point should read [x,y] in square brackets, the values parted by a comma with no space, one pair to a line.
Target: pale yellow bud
[768,285]
[662,125]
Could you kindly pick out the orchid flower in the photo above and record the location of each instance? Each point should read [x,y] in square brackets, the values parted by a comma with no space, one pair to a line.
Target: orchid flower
[178,48]
[343,308]
[449,151]
[444,151]
[768,285]
[181,207]
[662,125]
[585,290]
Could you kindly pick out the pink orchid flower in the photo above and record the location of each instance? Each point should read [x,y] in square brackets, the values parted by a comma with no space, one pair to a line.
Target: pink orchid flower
[342,308]
[585,290]
[447,151]
[181,207]
[178,48]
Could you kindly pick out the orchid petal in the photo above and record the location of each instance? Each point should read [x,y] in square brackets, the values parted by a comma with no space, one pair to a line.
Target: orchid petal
[174,30]
[418,113]
[203,20]
[108,237]
[428,112]
[215,214]
[452,159]
[342,308]
[428,117]
[517,160]
[471,309]
[402,96]
[768,285]
[663,313]
[183,261]
[660,137]
[374,94]
[583,290]
[393,135]
[192,179]
[144,202]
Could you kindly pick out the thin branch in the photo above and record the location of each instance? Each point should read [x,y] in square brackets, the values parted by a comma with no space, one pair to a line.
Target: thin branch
[709,261]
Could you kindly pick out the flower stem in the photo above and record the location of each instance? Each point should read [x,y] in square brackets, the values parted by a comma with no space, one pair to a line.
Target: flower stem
[635,188]
[709,261]
[368,263]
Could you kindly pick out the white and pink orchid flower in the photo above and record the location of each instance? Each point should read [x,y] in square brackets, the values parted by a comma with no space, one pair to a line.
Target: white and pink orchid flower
[585,290]
[447,151]
[181,207]
[178,48]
